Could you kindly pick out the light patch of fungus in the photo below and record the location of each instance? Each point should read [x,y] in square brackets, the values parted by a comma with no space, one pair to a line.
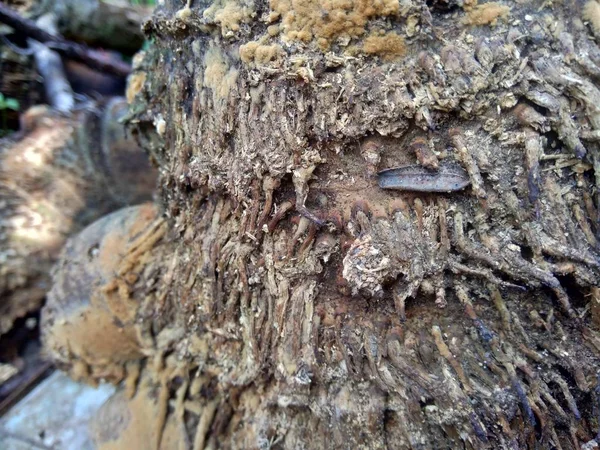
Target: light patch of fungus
[229,14]
[134,86]
[218,75]
[591,13]
[248,51]
[160,124]
[329,20]
[259,53]
[486,14]
[184,14]
[273,30]
[388,46]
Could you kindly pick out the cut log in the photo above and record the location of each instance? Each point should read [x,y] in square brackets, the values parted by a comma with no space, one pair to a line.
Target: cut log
[60,175]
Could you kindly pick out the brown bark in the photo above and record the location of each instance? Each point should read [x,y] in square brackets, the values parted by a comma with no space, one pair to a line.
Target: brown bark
[282,299]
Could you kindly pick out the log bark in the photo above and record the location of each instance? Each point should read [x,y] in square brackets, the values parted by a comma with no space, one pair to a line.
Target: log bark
[278,297]
[109,24]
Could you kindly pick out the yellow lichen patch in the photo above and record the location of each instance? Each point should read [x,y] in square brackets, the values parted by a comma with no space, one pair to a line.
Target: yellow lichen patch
[591,13]
[388,46]
[258,53]
[329,20]
[218,75]
[486,14]
[229,14]
[135,85]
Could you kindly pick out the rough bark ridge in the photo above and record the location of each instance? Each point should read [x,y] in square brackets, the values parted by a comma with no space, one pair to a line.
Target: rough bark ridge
[285,300]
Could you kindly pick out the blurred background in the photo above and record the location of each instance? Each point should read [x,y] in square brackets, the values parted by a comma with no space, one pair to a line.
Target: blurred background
[65,160]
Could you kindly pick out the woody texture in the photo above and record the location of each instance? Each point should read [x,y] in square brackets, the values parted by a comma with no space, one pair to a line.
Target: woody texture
[376,226]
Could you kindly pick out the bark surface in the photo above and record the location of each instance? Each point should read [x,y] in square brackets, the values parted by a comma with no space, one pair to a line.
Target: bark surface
[278,297]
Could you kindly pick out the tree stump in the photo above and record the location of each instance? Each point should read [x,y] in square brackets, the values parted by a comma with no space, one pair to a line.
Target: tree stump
[291,292]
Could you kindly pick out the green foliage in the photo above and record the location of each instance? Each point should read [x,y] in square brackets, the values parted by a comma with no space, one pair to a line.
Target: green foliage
[7,103]
[143,2]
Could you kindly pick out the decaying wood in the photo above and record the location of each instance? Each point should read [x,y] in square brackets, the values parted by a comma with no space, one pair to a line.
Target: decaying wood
[58,176]
[67,48]
[279,298]
[114,24]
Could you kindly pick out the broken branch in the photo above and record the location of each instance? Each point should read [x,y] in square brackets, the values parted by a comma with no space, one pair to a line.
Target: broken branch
[67,48]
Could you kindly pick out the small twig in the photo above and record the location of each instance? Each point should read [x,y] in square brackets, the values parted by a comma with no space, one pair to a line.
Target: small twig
[69,49]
